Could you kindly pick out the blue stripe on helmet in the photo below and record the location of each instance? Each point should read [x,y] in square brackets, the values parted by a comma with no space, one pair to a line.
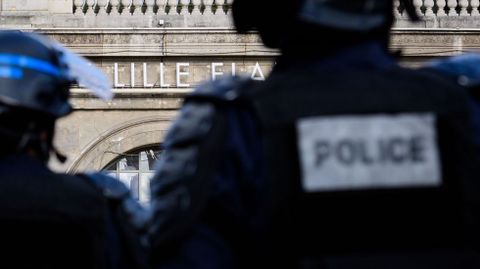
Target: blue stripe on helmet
[11,72]
[29,63]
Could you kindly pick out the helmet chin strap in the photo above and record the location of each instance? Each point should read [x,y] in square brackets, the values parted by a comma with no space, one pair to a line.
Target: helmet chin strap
[45,146]
[26,137]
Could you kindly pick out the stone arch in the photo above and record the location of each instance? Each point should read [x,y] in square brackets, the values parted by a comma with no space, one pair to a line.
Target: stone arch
[122,138]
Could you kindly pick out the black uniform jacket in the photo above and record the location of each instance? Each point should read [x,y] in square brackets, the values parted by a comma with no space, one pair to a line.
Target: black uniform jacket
[49,220]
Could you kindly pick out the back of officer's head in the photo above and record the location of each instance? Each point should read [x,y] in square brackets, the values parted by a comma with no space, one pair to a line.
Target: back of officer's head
[33,93]
[316,23]
[26,132]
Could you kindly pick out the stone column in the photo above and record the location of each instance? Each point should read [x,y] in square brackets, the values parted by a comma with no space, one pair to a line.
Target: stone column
[60,6]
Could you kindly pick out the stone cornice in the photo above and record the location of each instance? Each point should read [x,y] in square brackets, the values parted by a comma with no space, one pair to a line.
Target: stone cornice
[225,42]
[160,42]
[435,42]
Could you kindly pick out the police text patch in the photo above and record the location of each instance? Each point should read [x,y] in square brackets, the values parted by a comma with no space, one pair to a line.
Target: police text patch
[368,152]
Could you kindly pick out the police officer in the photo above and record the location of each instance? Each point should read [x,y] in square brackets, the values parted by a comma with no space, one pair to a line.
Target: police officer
[51,220]
[340,159]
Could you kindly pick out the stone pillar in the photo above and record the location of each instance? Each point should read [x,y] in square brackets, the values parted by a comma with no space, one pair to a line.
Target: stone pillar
[60,6]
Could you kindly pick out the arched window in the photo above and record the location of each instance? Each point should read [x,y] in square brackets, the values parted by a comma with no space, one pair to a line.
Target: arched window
[136,169]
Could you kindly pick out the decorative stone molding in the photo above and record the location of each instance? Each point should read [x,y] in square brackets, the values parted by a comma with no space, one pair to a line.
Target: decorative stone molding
[226,43]
[120,139]
[168,42]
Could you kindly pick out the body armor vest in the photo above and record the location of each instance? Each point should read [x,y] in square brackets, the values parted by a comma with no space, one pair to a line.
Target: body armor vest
[392,210]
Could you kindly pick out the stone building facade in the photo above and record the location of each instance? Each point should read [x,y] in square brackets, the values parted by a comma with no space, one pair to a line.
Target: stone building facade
[156,51]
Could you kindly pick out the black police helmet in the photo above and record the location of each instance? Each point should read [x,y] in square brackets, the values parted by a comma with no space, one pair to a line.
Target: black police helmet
[32,77]
[273,19]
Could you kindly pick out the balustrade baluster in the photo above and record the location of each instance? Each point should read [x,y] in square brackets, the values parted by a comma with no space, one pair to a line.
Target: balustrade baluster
[221,7]
[173,7]
[475,4]
[463,7]
[79,6]
[418,6]
[91,5]
[208,7]
[184,5]
[428,4]
[126,6]
[115,7]
[452,5]
[230,2]
[441,7]
[102,7]
[197,7]
[162,6]
[137,6]
[150,5]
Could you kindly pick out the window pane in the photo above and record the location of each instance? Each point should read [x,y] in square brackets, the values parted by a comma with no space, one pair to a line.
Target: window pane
[144,190]
[131,180]
[128,163]
[136,169]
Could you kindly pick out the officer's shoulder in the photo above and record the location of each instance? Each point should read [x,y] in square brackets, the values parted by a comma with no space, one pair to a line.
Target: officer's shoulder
[200,111]
[225,89]
[441,81]
[77,184]
[69,194]
[440,87]
[430,75]
[110,187]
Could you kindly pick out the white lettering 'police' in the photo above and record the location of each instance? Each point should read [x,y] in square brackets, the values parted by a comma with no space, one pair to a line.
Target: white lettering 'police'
[368,152]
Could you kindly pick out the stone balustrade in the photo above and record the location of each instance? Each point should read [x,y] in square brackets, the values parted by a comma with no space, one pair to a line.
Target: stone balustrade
[195,13]
[427,8]
[433,8]
[435,13]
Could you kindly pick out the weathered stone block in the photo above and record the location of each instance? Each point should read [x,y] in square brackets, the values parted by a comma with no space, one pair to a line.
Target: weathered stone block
[10,22]
[25,5]
[459,22]
[60,6]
